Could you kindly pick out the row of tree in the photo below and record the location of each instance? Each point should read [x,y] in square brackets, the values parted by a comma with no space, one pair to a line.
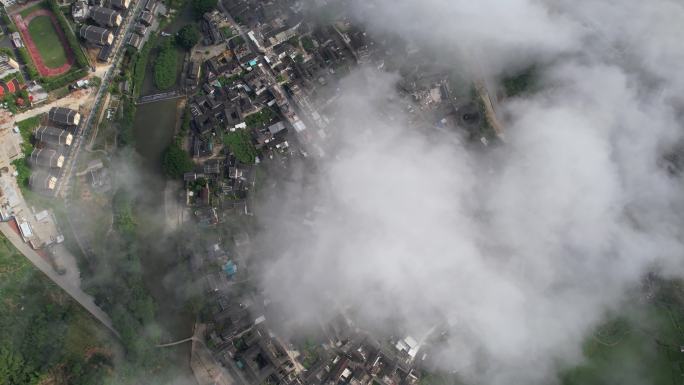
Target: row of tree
[72,40]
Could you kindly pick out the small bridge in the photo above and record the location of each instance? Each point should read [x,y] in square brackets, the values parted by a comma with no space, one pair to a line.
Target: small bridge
[159,97]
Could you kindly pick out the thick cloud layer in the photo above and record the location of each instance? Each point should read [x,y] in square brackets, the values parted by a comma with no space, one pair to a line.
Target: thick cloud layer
[517,252]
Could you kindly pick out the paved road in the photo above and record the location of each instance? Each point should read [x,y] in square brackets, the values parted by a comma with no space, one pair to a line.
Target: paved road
[117,55]
[71,288]
[179,342]
[74,291]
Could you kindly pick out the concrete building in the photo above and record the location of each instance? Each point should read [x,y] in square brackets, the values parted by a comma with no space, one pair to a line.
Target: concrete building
[96,35]
[36,92]
[146,18]
[16,40]
[135,41]
[54,136]
[105,53]
[105,17]
[42,181]
[79,11]
[7,66]
[120,4]
[45,157]
[150,5]
[66,116]
[140,29]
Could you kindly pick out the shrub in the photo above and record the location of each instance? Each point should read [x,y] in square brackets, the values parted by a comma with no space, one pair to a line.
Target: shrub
[54,83]
[307,44]
[23,171]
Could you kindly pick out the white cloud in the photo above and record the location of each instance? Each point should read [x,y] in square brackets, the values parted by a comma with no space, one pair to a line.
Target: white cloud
[521,250]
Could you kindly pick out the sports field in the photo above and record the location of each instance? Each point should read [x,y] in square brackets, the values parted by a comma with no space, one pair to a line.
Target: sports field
[47,41]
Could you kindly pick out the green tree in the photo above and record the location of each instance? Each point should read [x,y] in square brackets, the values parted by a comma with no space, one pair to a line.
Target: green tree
[176,161]
[14,370]
[307,43]
[520,83]
[203,6]
[188,36]
[23,171]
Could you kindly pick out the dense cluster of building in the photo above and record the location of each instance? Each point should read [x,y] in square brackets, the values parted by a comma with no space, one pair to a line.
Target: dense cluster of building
[8,66]
[242,339]
[142,26]
[269,87]
[101,21]
[53,141]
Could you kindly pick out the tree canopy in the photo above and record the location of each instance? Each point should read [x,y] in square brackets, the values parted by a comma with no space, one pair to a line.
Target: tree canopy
[188,36]
[176,161]
[203,6]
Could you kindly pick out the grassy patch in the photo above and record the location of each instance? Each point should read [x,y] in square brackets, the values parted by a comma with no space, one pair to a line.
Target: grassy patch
[240,145]
[227,32]
[307,44]
[47,41]
[309,355]
[166,66]
[261,118]
[226,81]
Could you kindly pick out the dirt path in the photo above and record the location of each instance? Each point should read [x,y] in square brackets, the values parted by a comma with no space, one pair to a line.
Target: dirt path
[490,114]
[74,101]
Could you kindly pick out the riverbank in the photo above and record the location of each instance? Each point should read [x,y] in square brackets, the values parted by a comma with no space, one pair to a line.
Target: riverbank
[154,127]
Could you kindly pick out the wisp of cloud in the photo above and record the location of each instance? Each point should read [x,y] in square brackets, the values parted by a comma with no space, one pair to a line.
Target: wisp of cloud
[518,252]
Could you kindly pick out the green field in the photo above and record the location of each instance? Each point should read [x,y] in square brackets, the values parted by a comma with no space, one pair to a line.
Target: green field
[49,46]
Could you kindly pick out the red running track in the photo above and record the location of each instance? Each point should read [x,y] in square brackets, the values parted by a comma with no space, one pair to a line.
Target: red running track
[44,70]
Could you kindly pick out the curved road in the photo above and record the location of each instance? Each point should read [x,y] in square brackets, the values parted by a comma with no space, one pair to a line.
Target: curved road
[74,291]
[193,338]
